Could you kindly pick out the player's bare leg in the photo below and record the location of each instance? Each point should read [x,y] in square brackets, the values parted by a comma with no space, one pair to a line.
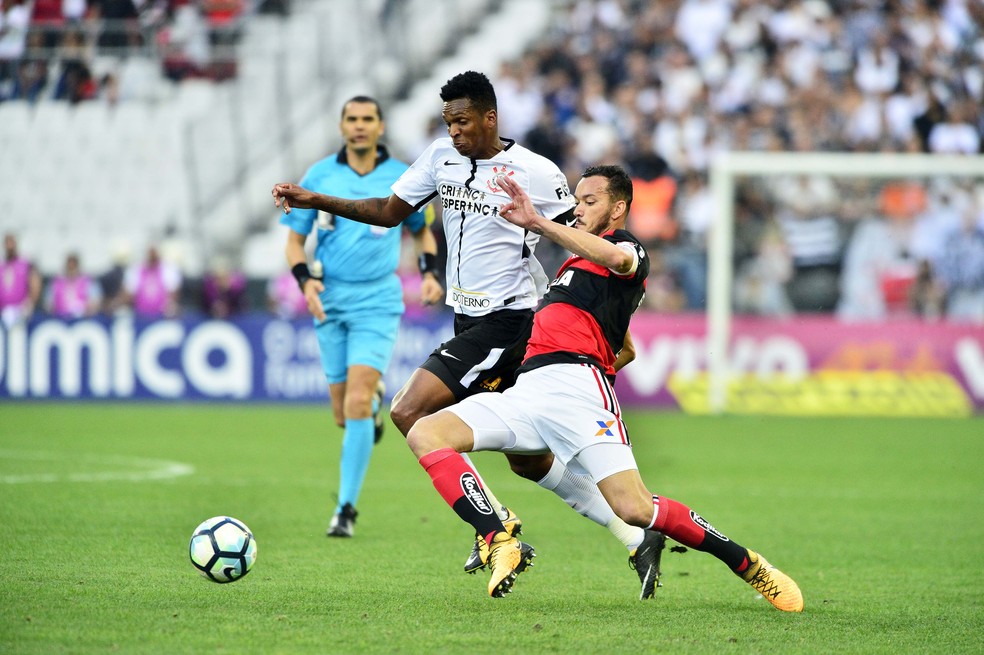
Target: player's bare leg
[423,395]
[632,501]
[580,493]
[438,441]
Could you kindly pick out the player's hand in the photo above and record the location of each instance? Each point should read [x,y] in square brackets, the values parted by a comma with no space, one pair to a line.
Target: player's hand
[520,210]
[431,290]
[312,294]
[288,196]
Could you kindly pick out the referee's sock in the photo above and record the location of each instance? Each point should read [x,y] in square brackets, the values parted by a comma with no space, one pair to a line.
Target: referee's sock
[354,462]
[679,522]
[461,488]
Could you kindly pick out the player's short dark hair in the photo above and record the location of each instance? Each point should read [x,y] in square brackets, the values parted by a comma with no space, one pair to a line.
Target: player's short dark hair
[379,109]
[473,86]
[619,182]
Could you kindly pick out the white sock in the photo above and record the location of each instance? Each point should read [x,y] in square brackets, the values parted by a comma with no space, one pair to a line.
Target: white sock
[500,511]
[583,496]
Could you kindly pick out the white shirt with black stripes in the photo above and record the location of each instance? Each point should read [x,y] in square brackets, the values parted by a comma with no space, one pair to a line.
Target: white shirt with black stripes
[490,265]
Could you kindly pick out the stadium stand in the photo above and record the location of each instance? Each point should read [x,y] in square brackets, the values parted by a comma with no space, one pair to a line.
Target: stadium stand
[178,153]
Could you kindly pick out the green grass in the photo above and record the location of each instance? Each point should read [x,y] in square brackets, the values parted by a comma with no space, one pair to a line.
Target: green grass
[880,522]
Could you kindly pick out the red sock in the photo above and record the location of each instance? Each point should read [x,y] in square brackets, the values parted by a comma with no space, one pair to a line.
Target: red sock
[460,487]
[679,522]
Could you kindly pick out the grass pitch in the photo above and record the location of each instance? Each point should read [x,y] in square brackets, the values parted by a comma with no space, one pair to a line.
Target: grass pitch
[879,521]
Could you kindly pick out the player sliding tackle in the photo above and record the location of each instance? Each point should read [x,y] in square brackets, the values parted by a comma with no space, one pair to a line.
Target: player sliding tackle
[563,400]
[494,282]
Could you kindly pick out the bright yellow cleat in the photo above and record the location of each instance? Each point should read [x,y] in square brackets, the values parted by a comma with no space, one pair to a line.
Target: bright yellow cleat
[507,557]
[480,550]
[774,585]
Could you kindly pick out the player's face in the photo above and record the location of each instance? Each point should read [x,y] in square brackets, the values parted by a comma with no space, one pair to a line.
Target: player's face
[472,132]
[361,127]
[594,205]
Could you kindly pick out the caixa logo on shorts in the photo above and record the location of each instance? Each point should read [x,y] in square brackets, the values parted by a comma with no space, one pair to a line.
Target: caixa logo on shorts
[702,522]
[473,492]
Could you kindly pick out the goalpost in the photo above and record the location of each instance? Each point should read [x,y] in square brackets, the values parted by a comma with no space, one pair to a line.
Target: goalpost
[729,166]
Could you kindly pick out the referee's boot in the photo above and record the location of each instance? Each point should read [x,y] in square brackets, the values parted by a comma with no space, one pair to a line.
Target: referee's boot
[645,561]
[774,585]
[343,523]
[377,411]
[508,557]
[480,550]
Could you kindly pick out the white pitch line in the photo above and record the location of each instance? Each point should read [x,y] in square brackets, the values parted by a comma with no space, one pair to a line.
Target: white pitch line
[139,469]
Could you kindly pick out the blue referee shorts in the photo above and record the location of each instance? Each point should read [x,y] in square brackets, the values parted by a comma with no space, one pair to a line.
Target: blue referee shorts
[365,338]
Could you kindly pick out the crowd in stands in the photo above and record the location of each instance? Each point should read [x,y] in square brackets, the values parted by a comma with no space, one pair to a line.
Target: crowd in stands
[48,47]
[154,287]
[151,287]
[661,87]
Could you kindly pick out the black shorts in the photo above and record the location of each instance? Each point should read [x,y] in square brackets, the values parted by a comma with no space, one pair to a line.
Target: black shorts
[484,353]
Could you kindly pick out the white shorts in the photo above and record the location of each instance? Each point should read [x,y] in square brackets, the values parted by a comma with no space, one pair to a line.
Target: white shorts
[568,409]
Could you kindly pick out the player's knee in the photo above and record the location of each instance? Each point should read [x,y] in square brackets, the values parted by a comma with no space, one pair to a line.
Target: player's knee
[404,414]
[358,404]
[424,437]
[634,511]
[531,467]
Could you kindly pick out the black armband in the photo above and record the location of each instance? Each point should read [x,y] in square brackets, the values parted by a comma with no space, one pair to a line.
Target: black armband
[427,263]
[301,273]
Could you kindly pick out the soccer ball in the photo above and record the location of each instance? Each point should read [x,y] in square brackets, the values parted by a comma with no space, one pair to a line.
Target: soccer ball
[222,549]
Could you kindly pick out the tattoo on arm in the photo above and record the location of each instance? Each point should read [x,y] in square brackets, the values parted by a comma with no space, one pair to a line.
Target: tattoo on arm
[368,210]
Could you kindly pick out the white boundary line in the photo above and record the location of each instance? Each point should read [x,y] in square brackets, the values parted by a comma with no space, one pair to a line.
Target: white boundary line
[146,469]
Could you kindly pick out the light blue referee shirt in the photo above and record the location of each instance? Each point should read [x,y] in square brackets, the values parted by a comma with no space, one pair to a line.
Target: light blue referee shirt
[359,260]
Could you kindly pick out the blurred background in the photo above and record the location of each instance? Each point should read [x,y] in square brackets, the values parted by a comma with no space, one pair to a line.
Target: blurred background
[149,132]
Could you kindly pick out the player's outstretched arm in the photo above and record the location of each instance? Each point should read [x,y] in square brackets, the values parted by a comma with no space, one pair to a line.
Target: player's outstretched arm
[584,244]
[385,212]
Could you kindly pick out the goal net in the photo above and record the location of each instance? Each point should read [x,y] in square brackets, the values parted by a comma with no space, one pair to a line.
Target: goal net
[868,244]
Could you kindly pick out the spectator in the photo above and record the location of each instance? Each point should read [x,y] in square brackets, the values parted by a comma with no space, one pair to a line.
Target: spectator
[20,284]
[152,288]
[47,18]
[686,256]
[15,20]
[960,270]
[73,294]
[223,291]
[111,282]
[184,43]
[927,297]
[284,297]
[815,241]
[654,190]
[223,18]
[957,134]
[760,285]
[75,83]
[877,267]
[121,29]
[31,75]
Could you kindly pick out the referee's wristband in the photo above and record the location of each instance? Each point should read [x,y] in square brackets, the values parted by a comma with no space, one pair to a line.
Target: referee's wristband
[301,273]
[427,263]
